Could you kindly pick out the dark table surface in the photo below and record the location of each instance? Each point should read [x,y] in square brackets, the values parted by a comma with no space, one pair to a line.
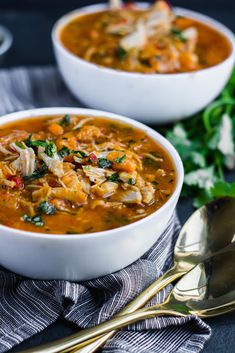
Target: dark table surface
[30,22]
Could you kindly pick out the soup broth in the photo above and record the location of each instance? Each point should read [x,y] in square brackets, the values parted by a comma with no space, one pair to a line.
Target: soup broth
[146,41]
[79,174]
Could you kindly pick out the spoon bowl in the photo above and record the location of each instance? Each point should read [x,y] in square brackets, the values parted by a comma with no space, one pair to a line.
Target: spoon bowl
[209,287]
[209,229]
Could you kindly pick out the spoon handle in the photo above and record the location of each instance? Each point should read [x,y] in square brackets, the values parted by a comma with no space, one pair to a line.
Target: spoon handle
[92,345]
[67,343]
[121,321]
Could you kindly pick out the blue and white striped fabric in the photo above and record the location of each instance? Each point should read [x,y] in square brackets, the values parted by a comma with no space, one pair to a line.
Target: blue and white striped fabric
[29,306]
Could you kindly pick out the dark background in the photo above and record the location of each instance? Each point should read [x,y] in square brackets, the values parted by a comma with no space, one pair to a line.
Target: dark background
[30,22]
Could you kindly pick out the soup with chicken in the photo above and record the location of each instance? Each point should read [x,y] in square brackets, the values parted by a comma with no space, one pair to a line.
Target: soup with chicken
[155,40]
[79,174]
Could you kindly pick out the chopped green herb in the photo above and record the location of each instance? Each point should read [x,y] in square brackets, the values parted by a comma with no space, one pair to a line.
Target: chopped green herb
[206,144]
[202,178]
[120,159]
[36,220]
[178,34]
[30,143]
[114,177]
[38,143]
[221,189]
[81,153]
[20,144]
[39,173]
[64,152]
[51,149]
[121,53]
[65,120]
[46,208]
[131,181]
[104,163]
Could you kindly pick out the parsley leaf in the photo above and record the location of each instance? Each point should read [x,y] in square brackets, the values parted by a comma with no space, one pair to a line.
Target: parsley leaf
[114,177]
[39,173]
[81,153]
[121,53]
[64,152]
[50,149]
[131,181]
[104,163]
[222,188]
[206,144]
[65,120]
[203,178]
[20,144]
[36,220]
[178,34]
[120,159]
[46,208]
[36,143]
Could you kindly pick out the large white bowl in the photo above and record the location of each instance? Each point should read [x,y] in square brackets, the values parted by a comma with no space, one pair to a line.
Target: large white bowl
[151,98]
[84,256]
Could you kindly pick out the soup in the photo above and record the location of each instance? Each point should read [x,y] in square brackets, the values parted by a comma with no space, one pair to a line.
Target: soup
[147,41]
[79,174]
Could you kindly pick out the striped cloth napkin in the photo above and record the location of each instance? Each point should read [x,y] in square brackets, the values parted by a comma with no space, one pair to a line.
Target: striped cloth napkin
[29,306]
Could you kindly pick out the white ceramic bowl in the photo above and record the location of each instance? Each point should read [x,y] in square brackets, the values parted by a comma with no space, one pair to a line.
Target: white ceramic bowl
[84,256]
[151,98]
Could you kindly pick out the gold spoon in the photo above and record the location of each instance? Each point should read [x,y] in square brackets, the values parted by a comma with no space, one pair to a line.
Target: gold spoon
[206,290]
[209,229]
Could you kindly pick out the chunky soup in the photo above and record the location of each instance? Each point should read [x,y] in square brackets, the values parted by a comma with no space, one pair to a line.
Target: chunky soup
[146,41]
[79,174]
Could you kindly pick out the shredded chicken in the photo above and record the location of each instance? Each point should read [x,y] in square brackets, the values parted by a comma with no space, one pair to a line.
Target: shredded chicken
[148,193]
[42,193]
[16,135]
[106,189]
[26,162]
[83,122]
[132,195]
[136,39]
[54,164]
[119,28]
[3,150]
[73,195]
[128,177]
[96,175]
[154,158]
[115,4]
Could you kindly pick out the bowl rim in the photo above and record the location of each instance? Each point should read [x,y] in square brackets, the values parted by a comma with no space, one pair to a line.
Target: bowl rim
[7,40]
[209,21]
[166,145]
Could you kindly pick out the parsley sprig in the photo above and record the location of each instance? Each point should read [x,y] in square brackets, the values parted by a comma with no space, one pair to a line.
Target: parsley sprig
[206,144]
[35,220]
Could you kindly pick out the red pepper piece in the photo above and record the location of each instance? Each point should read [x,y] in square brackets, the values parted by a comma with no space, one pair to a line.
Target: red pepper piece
[93,158]
[17,180]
